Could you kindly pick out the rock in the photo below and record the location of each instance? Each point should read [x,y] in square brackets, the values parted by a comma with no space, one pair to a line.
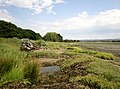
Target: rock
[27,45]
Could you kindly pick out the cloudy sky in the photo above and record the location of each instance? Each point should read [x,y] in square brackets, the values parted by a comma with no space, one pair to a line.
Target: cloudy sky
[73,19]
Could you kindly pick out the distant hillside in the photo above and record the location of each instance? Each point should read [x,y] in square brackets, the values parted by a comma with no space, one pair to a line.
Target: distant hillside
[9,30]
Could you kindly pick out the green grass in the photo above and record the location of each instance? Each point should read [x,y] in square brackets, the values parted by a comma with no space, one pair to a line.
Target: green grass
[10,48]
[5,65]
[102,55]
[106,69]
[90,52]
[56,45]
[41,43]
[11,61]
[43,54]
[31,72]
[98,82]
[109,47]
[16,74]
[101,74]
[86,67]
[75,49]
[81,58]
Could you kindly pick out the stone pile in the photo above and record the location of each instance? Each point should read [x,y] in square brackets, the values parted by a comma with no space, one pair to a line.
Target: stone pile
[27,45]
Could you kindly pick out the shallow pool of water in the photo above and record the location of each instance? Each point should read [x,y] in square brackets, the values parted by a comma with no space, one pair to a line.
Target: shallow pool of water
[50,69]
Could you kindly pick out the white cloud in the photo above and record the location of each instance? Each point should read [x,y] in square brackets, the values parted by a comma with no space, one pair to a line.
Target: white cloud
[49,9]
[59,1]
[37,5]
[105,20]
[4,15]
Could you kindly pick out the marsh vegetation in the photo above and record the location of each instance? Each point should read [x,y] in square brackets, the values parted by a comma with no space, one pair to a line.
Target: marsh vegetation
[81,66]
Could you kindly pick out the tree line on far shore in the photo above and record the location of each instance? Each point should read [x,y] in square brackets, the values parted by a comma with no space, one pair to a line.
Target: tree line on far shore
[10,30]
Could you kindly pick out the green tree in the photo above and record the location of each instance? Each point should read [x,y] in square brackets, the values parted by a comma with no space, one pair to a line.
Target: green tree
[53,36]
[9,30]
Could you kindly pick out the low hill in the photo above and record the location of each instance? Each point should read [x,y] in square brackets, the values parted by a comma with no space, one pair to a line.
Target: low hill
[9,30]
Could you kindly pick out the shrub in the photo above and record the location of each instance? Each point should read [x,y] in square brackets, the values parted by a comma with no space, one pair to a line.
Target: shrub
[31,72]
[53,36]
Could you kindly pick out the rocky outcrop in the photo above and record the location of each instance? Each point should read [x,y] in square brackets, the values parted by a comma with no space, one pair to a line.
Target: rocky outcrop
[27,45]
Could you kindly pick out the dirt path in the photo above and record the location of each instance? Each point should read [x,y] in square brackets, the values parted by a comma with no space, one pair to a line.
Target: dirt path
[48,60]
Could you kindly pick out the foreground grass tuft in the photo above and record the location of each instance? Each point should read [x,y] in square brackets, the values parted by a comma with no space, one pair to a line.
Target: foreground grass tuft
[31,72]
[5,65]
[10,60]
[16,74]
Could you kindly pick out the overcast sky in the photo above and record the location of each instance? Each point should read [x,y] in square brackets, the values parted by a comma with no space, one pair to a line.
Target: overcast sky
[73,19]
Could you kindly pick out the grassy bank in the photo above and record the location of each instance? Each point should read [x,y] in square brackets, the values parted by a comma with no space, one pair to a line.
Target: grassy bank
[80,67]
[12,64]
